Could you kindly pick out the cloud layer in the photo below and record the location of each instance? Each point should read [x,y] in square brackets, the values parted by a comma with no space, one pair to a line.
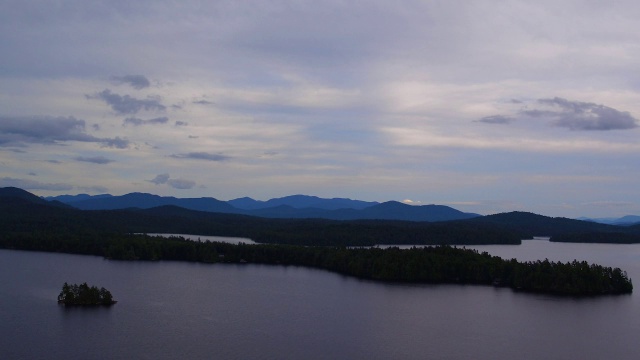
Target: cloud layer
[22,130]
[491,106]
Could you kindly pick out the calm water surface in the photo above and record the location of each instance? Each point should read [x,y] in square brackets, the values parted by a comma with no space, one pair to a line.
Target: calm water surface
[173,310]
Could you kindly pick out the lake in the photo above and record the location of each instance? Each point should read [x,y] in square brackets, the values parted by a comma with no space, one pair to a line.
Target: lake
[174,310]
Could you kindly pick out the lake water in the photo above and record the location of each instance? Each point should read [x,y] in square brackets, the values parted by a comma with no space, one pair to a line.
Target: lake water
[173,310]
[230,240]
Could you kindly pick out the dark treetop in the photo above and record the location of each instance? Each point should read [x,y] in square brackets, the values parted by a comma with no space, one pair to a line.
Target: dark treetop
[84,295]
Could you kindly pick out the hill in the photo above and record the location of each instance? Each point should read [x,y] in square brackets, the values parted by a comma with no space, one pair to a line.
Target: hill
[14,192]
[528,225]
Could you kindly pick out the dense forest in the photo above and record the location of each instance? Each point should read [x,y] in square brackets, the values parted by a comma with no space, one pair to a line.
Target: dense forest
[441,264]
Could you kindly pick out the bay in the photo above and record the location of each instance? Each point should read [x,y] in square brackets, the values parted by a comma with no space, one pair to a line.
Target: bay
[172,310]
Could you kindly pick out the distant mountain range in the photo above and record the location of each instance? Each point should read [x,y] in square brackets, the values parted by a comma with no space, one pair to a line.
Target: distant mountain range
[301,202]
[378,223]
[292,207]
[625,220]
[31,223]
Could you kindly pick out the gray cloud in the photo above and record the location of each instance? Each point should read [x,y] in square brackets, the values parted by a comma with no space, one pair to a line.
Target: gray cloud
[126,104]
[160,179]
[137,82]
[202,156]
[576,115]
[181,184]
[116,142]
[202,102]
[20,130]
[137,122]
[497,119]
[28,184]
[101,160]
[181,123]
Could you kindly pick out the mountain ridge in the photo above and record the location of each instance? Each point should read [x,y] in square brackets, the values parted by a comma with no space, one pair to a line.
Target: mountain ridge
[23,210]
[293,206]
[625,220]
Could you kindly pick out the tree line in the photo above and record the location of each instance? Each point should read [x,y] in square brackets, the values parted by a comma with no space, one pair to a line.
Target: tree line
[439,264]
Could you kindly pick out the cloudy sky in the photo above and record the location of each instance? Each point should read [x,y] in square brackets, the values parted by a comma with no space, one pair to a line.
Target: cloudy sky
[485,106]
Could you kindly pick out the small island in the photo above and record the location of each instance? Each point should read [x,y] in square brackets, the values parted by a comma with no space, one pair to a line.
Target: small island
[84,295]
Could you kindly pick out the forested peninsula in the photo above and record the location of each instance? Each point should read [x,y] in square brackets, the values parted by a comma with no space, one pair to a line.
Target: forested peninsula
[434,265]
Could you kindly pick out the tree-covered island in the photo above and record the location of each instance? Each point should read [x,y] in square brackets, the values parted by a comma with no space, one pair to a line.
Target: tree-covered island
[84,295]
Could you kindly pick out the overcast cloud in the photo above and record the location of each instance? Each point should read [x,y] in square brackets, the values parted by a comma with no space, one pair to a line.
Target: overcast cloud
[487,106]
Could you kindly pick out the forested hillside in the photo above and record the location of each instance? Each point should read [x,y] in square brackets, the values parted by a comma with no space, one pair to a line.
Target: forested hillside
[22,217]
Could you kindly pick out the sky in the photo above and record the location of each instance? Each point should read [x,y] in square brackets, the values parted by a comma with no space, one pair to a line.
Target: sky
[484,106]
